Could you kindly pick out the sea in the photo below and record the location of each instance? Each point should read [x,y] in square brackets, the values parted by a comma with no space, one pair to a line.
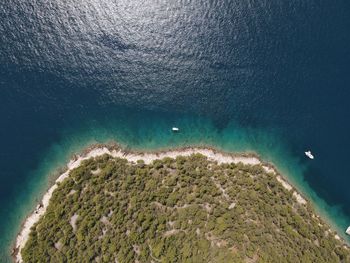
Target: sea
[271,77]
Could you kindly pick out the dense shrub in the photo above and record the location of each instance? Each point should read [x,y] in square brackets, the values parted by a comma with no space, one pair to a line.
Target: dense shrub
[186,209]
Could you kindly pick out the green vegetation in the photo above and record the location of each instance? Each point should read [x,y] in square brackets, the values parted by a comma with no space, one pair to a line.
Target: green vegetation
[186,209]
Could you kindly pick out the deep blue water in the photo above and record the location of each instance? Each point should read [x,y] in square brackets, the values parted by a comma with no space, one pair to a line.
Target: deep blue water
[265,76]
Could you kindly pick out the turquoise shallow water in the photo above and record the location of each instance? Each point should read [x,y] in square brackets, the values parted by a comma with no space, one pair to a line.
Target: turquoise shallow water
[156,134]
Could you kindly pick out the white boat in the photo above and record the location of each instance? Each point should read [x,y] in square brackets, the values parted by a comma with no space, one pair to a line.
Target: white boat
[309,154]
[348,230]
[175,129]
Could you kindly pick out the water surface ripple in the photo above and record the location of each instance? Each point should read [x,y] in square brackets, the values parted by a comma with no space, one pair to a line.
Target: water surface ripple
[268,76]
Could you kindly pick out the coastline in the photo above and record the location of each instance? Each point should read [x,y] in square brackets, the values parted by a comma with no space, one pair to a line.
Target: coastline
[147,156]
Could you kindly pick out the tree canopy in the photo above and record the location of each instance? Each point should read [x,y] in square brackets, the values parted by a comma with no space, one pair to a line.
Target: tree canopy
[187,209]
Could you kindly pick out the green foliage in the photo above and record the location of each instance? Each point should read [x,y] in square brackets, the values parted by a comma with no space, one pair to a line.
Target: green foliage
[186,209]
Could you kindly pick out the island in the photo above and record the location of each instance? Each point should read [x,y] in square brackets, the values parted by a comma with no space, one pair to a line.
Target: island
[185,205]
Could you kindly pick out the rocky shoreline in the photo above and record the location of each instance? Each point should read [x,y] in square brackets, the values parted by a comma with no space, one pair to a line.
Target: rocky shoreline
[147,156]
